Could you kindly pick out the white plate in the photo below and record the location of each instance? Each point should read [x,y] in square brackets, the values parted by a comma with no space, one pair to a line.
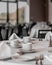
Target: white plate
[31,51]
[25,57]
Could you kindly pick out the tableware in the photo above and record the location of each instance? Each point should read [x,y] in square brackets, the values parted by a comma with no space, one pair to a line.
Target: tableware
[23,57]
[26,47]
[15,56]
[34,39]
[26,39]
[15,43]
[27,52]
[6,59]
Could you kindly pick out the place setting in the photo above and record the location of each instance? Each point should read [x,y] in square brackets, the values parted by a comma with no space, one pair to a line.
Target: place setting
[9,51]
[27,46]
[24,45]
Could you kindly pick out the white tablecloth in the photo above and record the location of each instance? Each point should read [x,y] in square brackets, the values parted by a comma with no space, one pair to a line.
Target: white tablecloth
[40,46]
[22,62]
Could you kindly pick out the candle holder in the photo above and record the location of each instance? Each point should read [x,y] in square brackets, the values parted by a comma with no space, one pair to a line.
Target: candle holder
[37,60]
[41,59]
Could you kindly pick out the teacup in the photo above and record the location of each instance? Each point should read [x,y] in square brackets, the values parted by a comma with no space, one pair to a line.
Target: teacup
[26,39]
[27,47]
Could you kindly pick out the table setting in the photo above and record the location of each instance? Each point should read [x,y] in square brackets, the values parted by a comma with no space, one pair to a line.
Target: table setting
[24,51]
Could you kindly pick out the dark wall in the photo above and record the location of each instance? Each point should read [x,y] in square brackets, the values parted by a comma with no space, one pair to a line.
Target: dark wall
[37,10]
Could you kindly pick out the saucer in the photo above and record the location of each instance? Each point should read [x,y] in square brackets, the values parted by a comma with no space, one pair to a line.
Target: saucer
[5,59]
[30,51]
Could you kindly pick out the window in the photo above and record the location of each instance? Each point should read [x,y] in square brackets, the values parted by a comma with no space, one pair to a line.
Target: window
[8,11]
[23,11]
[3,12]
[13,13]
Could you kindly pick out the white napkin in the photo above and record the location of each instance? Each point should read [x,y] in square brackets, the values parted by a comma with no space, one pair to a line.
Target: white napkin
[47,37]
[15,43]
[14,36]
[5,50]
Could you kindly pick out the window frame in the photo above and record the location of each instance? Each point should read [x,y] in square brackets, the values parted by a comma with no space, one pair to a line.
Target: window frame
[7,2]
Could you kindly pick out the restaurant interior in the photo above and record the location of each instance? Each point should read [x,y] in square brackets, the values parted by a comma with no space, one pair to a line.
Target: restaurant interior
[25,32]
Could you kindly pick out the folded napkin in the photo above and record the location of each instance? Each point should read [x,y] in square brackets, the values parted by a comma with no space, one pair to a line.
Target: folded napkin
[47,37]
[5,50]
[14,36]
[15,43]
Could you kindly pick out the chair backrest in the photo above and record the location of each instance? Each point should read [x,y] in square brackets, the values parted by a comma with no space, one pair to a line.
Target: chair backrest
[42,33]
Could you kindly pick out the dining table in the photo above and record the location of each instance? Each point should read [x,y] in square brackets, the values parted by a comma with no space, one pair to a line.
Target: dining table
[41,48]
